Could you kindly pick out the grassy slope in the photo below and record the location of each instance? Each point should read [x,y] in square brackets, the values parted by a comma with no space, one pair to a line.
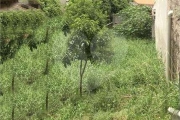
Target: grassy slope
[132,87]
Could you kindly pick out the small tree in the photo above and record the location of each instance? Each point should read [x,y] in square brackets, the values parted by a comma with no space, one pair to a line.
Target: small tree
[86,20]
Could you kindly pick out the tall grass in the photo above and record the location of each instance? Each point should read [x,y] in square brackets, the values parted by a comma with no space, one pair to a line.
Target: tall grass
[131,87]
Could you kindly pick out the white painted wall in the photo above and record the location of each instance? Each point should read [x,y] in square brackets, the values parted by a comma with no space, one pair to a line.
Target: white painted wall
[161,22]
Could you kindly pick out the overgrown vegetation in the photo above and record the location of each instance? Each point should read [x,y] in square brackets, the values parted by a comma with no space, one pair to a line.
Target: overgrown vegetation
[132,86]
[124,79]
[136,22]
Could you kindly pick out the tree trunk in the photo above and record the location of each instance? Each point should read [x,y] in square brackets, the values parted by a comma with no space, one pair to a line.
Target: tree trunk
[82,69]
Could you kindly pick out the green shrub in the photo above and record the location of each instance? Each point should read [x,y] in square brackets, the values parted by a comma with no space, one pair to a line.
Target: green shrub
[111,7]
[20,21]
[51,8]
[136,22]
[16,28]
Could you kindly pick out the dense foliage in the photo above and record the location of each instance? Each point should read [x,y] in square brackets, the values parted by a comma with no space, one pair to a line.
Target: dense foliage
[111,7]
[35,85]
[52,8]
[86,23]
[78,10]
[16,28]
[18,22]
[136,22]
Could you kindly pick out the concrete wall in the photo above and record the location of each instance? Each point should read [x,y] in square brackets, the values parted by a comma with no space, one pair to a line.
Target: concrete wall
[161,22]
[161,33]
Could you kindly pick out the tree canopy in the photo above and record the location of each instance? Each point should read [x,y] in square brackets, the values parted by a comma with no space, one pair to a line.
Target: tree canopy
[85,24]
[85,16]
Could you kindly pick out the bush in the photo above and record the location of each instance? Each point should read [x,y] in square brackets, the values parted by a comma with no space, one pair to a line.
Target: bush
[51,8]
[136,22]
[110,7]
[17,27]
[20,21]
